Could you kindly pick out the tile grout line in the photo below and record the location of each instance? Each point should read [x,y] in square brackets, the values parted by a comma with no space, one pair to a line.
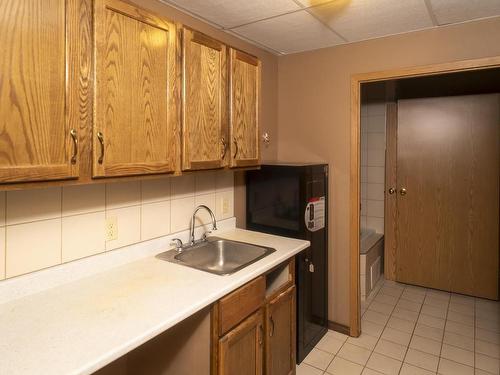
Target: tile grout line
[444,330]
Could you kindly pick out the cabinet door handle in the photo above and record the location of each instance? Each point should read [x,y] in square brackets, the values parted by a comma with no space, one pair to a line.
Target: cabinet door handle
[261,335]
[100,137]
[271,331]
[75,145]
[224,147]
[235,148]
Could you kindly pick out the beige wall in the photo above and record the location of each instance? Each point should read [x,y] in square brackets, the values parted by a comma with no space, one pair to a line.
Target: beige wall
[314,105]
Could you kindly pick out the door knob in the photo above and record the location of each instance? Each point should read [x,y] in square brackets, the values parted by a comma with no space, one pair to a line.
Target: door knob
[392,191]
[402,191]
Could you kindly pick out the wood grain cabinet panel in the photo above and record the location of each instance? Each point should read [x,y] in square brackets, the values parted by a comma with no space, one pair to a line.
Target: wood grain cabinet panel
[204,101]
[280,334]
[44,87]
[241,350]
[244,77]
[136,119]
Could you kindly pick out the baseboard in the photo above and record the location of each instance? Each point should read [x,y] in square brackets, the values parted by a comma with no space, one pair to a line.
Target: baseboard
[339,328]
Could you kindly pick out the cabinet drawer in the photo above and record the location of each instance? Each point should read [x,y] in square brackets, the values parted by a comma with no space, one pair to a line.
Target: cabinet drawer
[236,306]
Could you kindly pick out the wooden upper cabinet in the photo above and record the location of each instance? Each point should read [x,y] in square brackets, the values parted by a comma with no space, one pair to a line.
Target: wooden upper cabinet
[44,87]
[204,101]
[241,350]
[244,78]
[136,123]
[280,334]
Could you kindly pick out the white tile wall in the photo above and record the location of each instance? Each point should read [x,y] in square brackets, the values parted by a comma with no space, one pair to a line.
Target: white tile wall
[45,227]
[372,166]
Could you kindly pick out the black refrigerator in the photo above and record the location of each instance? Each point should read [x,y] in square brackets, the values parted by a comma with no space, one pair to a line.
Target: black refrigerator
[291,200]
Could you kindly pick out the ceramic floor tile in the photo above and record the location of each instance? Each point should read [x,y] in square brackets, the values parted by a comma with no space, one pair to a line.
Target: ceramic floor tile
[391,291]
[409,305]
[489,336]
[305,369]
[330,344]
[457,317]
[461,308]
[368,371]
[400,313]
[337,335]
[461,299]
[489,364]
[401,324]
[319,359]
[408,369]
[354,354]
[447,367]
[459,355]
[431,321]
[425,345]
[364,340]
[423,360]
[340,366]
[429,332]
[391,349]
[383,364]
[489,325]
[435,311]
[459,329]
[398,337]
[487,348]
[414,297]
[371,328]
[376,317]
[382,308]
[384,298]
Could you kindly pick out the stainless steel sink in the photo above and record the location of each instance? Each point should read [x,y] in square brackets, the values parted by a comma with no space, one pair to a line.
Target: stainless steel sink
[217,255]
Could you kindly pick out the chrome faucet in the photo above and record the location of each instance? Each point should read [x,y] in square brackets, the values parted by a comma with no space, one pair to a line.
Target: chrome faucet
[193,218]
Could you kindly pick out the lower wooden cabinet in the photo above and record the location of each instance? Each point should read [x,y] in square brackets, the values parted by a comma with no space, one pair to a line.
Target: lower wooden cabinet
[241,351]
[280,334]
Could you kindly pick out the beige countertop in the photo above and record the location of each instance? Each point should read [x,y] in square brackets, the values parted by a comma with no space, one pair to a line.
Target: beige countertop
[79,327]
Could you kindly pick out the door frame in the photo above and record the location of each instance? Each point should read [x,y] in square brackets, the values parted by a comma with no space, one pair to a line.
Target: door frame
[354,224]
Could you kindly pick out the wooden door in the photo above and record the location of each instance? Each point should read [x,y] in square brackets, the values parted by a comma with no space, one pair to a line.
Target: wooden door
[448,164]
[280,334]
[44,87]
[136,120]
[244,86]
[241,349]
[204,102]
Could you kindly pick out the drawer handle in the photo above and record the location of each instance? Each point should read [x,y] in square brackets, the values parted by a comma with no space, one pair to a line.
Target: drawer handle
[271,332]
[100,137]
[224,147]
[75,145]
[261,335]
[235,148]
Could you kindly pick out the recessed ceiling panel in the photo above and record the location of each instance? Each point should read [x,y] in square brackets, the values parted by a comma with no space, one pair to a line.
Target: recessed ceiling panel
[452,11]
[294,32]
[231,13]
[365,19]
[312,3]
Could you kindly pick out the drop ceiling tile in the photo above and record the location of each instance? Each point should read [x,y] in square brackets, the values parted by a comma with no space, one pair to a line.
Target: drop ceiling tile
[452,11]
[312,3]
[365,19]
[290,33]
[232,13]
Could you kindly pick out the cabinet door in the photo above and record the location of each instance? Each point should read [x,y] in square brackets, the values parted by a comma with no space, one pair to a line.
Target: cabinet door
[244,108]
[44,87]
[204,102]
[241,350]
[280,334]
[136,120]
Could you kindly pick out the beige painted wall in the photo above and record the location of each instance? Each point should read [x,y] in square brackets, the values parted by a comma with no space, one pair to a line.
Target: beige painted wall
[268,115]
[314,107]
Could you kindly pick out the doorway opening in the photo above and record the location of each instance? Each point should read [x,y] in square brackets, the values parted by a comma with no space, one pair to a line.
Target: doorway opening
[376,97]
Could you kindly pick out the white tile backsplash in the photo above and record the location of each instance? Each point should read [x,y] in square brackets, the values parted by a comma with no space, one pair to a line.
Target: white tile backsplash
[46,227]
[376,175]
[83,199]
[32,246]
[83,235]
[25,206]
[203,217]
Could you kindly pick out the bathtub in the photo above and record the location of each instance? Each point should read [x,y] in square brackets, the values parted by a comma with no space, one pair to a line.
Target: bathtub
[371,254]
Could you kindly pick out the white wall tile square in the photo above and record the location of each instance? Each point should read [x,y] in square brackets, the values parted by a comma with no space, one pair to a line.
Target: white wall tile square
[220,196]
[83,235]
[375,191]
[2,208]
[376,124]
[224,180]
[181,211]
[156,190]
[155,220]
[183,186]
[33,246]
[376,175]
[375,208]
[2,253]
[375,223]
[123,194]
[203,217]
[376,141]
[83,199]
[376,158]
[25,206]
[204,183]
[129,226]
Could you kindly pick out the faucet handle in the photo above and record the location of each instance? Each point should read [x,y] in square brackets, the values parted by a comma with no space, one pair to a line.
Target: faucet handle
[204,236]
[177,243]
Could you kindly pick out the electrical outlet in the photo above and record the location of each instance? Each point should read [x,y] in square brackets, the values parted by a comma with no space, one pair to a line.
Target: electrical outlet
[111,228]
[225,206]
